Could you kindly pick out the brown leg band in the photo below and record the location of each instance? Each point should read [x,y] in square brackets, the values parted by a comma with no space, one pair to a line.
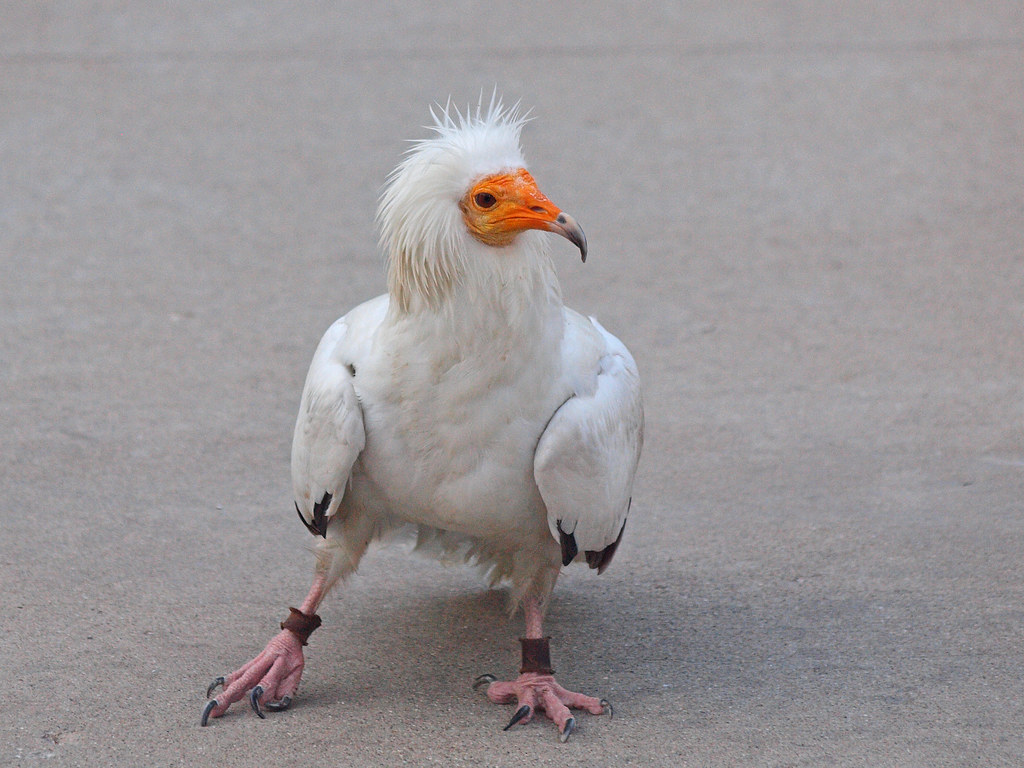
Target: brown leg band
[300,624]
[536,655]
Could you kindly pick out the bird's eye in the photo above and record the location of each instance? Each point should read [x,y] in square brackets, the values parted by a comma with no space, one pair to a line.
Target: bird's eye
[484,199]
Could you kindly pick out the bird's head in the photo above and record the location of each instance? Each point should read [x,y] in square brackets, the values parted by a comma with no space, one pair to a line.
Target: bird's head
[501,205]
[462,188]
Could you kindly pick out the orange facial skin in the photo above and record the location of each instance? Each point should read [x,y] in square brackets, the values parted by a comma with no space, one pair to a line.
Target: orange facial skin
[499,207]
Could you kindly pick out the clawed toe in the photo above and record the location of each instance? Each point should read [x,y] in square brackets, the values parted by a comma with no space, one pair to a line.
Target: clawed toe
[522,712]
[540,693]
[485,679]
[217,682]
[274,674]
[254,701]
[279,706]
[605,704]
[210,706]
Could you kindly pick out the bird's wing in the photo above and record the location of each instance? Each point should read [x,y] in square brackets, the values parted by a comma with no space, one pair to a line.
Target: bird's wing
[329,431]
[587,455]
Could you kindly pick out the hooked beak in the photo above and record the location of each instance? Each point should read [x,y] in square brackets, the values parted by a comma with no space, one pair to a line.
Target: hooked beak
[499,207]
[566,226]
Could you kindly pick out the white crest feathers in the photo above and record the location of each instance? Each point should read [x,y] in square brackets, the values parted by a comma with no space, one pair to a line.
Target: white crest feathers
[419,217]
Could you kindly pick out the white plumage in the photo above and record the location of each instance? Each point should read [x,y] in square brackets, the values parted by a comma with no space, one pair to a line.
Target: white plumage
[467,401]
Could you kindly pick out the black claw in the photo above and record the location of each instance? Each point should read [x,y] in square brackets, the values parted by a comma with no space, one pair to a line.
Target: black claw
[279,706]
[207,710]
[217,682]
[570,726]
[254,700]
[487,678]
[522,712]
[608,705]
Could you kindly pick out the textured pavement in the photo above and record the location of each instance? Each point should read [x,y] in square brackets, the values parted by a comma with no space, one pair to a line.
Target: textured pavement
[806,222]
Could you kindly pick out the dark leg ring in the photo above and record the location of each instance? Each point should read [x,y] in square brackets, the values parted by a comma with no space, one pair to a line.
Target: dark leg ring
[536,655]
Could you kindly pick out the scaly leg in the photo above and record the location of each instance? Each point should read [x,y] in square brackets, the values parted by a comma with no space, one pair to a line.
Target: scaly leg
[535,689]
[273,676]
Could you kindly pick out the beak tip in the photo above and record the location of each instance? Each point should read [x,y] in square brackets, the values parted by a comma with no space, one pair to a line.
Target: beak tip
[566,226]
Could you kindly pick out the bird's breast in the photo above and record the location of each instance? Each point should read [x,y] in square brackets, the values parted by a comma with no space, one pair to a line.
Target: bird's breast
[452,424]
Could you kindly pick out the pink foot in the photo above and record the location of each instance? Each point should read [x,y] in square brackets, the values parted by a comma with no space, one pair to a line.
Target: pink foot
[272,677]
[533,692]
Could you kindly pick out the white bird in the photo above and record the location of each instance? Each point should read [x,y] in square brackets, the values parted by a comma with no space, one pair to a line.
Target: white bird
[467,402]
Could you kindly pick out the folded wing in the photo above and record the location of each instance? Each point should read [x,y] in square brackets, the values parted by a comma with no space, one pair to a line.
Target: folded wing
[587,456]
[329,432]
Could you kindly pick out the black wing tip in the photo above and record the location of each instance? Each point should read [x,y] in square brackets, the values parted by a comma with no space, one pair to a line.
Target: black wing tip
[601,559]
[568,543]
[319,525]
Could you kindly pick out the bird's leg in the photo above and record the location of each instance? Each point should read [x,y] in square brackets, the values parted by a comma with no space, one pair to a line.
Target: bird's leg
[535,689]
[273,676]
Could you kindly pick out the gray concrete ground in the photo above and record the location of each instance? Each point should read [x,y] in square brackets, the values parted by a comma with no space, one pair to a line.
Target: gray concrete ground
[805,219]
